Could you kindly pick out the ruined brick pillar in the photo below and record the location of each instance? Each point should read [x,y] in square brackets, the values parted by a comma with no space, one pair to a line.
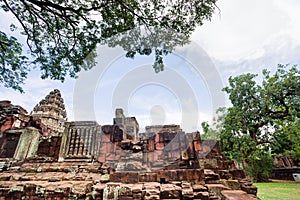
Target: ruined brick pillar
[197,142]
[129,125]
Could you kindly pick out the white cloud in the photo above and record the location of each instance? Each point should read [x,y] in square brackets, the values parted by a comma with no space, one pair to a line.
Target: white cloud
[160,108]
[244,26]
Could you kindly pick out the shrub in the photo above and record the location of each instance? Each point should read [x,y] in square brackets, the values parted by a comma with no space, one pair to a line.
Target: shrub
[259,165]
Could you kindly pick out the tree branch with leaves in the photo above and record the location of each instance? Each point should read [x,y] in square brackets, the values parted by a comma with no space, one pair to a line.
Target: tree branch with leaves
[62,33]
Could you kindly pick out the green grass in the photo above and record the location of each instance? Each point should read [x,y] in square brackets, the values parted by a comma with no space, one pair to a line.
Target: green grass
[278,191]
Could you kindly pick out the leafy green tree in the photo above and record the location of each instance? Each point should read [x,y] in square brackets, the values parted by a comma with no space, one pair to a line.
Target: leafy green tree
[61,34]
[263,117]
[286,139]
[13,70]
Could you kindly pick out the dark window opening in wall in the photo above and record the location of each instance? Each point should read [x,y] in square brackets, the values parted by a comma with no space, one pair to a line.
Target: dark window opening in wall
[118,135]
[162,180]
[49,147]
[8,145]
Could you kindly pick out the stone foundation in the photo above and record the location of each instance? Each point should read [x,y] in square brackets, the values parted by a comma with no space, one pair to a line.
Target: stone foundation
[82,180]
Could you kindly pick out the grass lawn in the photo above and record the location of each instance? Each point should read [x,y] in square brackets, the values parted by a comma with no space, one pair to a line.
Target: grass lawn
[278,191]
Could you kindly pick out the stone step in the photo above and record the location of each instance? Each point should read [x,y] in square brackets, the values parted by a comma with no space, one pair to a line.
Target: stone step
[211,177]
[54,185]
[46,190]
[199,188]
[49,176]
[56,167]
[233,184]
[201,195]
[237,195]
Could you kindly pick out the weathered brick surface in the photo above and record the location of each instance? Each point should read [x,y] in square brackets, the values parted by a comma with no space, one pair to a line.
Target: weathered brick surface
[170,191]
[215,189]
[238,173]
[232,184]
[201,195]
[148,177]
[125,177]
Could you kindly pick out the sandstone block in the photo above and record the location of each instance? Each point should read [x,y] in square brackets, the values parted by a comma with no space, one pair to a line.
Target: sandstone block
[187,194]
[152,186]
[199,176]
[125,191]
[185,184]
[152,194]
[5,177]
[147,177]
[232,184]
[201,195]
[249,189]
[236,195]
[136,188]
[137,196]
[104,178]
[237,173]
[152,197]
[211,176]
[132,177]
[199,188]
[215,189]
[224,174]
[170,191]
[124,177]
[124,198]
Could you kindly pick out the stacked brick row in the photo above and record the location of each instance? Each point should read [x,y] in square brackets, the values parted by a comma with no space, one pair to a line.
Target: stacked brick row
[82,180]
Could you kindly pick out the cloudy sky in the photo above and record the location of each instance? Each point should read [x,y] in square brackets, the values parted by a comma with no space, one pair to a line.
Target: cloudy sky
[243,36]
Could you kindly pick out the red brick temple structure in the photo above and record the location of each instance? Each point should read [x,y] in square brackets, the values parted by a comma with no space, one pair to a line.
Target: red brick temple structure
[44,156]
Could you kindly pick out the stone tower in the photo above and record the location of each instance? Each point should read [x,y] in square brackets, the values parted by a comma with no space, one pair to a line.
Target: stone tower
[52,112]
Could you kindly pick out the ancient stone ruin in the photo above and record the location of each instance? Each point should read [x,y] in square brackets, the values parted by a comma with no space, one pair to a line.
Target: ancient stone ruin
[51,111]
[43,156]
[285,168]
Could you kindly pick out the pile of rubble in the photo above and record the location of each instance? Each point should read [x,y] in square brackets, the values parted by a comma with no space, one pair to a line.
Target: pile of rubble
[42,156]
[83,180]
